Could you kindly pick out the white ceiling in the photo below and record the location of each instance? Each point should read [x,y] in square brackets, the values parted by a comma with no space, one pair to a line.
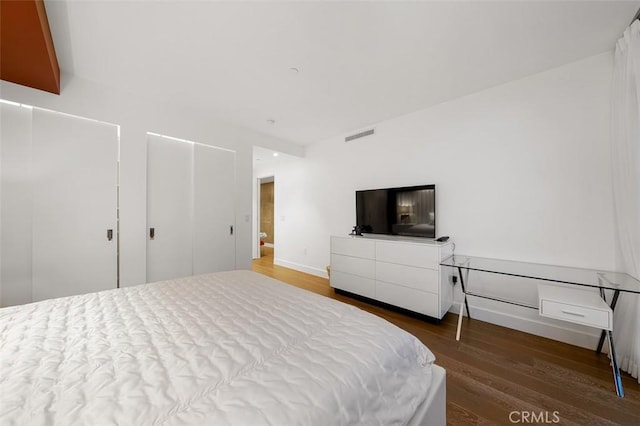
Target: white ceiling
[359,62]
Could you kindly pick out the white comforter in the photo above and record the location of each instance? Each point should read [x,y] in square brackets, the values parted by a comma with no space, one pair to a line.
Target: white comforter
[227,348]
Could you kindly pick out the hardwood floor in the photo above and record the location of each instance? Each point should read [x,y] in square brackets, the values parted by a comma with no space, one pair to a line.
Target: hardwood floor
[495,372]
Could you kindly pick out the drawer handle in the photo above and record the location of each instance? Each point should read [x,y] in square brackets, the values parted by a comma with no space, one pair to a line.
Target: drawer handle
[577,314]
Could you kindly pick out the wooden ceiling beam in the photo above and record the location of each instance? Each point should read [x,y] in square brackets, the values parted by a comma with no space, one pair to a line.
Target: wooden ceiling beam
[27,54]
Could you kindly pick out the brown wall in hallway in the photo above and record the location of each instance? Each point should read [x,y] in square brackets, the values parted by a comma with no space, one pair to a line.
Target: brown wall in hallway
[266,210]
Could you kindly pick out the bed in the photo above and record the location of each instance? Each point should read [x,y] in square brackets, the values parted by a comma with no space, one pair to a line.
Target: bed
[234,348]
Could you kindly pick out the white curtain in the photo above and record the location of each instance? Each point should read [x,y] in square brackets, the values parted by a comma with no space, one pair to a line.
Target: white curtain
[626,191]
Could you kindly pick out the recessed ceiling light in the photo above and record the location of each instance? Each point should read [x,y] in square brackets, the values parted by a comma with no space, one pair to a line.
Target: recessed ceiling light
[271,121]
[275,154]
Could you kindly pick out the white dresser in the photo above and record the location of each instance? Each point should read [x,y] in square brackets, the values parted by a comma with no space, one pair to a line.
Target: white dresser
[400,271]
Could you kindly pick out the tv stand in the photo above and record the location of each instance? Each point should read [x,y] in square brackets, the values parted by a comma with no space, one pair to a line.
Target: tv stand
[396,270]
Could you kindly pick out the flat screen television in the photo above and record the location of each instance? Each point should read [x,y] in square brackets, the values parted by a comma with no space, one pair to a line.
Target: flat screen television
[409,211]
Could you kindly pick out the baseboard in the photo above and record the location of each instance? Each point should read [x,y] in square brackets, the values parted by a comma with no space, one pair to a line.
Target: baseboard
[322,273]
[538,327]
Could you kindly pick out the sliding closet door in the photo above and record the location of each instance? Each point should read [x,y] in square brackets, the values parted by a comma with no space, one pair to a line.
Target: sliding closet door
[74,170]
[214,213]
[15,205]
[169,208]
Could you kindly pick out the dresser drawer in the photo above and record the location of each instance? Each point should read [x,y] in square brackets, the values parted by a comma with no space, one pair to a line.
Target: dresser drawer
[353,284]
[423,256]
[408,276]
[408,298]
[356,247]
[574,305]
[353,265]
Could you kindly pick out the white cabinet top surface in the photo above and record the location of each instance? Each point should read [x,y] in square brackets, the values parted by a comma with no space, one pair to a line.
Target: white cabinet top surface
[398,239]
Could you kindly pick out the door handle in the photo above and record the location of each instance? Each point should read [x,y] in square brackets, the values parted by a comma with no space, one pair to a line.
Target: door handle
[152,233]
[577,314]
[109,234]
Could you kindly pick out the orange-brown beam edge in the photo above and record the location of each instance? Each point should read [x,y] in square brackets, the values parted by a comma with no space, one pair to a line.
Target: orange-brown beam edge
[27,53]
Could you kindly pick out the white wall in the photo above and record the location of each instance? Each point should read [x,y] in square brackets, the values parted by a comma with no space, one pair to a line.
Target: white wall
[521,170]
[135,117]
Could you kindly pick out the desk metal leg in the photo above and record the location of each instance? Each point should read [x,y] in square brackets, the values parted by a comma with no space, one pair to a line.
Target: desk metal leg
[463,304]
[464,291]
[614,301]
[464,300]
[614,366]
[612,350]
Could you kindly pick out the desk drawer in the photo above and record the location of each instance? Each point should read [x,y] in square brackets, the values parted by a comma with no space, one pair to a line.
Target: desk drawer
[577,314]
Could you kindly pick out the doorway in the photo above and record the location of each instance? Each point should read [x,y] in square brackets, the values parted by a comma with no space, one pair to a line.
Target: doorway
[266,225]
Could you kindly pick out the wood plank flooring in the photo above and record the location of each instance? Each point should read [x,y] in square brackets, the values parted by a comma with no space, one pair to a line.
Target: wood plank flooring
[494,371]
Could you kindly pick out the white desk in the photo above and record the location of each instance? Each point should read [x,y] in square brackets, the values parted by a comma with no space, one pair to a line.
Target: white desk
[562,294]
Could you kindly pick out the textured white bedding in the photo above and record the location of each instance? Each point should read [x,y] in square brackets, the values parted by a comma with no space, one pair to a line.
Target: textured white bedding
[227,348]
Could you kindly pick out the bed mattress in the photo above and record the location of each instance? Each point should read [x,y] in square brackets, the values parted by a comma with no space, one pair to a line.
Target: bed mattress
[225,348]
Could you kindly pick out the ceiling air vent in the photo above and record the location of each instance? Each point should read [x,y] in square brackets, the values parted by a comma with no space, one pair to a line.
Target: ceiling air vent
[359,135]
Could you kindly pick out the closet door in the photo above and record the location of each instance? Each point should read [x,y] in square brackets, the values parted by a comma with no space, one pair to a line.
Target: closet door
[214,247]
[15,205]
[74,238]
[169,208]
